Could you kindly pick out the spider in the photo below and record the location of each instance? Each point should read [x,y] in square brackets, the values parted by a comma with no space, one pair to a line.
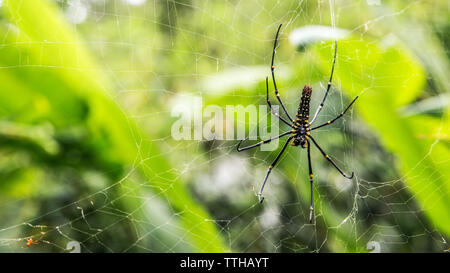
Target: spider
[301,127]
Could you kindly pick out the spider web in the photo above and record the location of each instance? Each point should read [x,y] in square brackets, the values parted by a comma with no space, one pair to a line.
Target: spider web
[158,52]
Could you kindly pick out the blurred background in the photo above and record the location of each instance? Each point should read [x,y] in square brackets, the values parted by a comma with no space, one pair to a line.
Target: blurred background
[87,90]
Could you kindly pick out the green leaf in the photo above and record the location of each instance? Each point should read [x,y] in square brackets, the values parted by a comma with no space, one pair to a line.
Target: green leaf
[386,76]
[50,70]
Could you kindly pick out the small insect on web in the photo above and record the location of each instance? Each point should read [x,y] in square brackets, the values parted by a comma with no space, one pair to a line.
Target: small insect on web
[30,241]
[301,127]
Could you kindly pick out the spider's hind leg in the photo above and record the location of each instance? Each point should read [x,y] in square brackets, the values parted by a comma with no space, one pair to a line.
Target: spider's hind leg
[269,170]
[311,181]
[239,149]
[331,160]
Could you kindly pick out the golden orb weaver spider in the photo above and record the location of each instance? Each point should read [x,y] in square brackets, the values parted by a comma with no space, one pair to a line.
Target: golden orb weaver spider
[301,127]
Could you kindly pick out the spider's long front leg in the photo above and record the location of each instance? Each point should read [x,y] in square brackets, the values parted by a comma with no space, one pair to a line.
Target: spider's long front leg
[239,149]
[336,118]
[260,198]
[270,106]
[311,182]
[328,86]
[329,159]
[272,67]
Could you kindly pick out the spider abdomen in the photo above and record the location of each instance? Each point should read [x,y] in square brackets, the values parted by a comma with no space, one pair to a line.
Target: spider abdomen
[301,119]
[303,109]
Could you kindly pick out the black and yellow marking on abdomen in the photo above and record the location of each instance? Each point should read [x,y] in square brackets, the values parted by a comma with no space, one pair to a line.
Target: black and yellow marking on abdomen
[302,116]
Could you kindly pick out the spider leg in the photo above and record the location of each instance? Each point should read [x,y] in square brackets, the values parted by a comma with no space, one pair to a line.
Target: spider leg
[311,181]
[272,67]
[270,106]
[336,118]
[328,87]
[239,149]
[260,198]
[330,160]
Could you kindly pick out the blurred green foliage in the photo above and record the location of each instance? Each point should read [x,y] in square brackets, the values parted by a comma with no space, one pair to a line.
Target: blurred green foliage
[67,90]
[85,147]
[392,78]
